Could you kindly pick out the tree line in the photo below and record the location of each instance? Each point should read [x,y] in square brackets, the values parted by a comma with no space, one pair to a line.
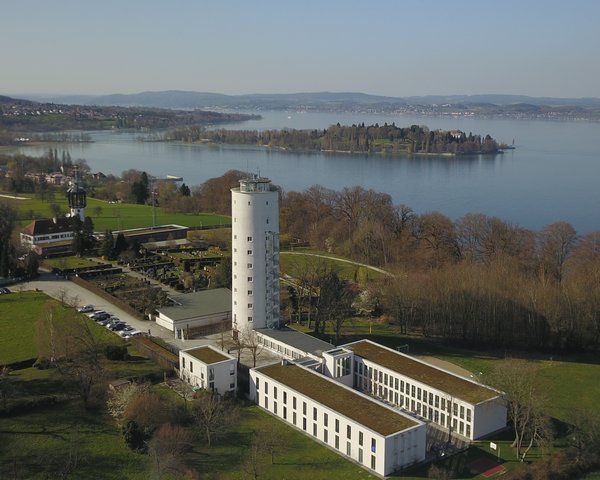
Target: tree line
[477,280]
[355,138]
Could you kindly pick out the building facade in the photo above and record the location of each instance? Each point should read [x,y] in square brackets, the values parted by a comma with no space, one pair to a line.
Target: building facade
[452,402]
[208,368]
[255,254]
[48,236]
[367,432]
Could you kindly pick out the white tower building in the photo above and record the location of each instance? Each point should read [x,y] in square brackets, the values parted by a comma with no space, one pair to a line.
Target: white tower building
[255,254]
[77,197]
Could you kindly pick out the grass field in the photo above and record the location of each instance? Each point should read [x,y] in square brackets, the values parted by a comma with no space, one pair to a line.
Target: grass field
[113,216]
[298,263]
[18,314]
[68,262]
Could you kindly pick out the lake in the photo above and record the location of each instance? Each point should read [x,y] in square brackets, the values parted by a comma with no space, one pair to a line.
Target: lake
[552,174]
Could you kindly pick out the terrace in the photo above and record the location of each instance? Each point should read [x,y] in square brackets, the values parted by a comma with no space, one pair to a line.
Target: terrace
[207,355]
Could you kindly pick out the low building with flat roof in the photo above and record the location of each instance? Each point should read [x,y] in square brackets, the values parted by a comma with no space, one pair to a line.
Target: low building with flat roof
[291,343]
[368,432]
[196,311]
[463,406]
[208,368]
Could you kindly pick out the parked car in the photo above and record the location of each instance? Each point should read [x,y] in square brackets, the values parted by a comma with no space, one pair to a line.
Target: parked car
[118,327]
[105,321]
[86,309]
[126,330]
[133,333]
[112,321]
[100,316]
[4,290]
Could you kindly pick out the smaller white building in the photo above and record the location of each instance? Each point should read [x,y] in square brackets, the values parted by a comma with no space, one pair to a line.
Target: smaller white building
[368,432]
[196,310]
[208,368]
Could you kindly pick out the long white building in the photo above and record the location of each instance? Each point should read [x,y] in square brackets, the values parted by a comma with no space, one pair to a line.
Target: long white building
[255,254]
[455,403]
[375,436]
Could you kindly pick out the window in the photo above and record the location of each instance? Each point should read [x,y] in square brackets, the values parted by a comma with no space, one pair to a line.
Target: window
[304,424]
[360,438]
[249,319]
[360,455]
[267,221]
[275,393]
[348,449]
[249,239]
[266,402]
[182,362]
[468,432]
[468,414]
[349,432]
[325,439]
[294,402]
[373,445]
[235,237]
[266,388]
[249,252]
[462,411]
[337,442]
[249,305]
[314,414]
[325,419]
[249,265]
[285,398]
[372,462]
[249,279]
[275,408]
[304,408]
[285,413]
[257,384]
[337,426]
[191,366]
[249,292]
[314,429]
[294,417]
[249,203]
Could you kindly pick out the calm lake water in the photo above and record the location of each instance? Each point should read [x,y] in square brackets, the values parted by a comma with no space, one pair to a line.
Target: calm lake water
[552,175]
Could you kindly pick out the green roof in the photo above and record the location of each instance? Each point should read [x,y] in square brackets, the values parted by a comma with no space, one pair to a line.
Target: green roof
[454,385]
[198,304]
[345,401]
[207,355]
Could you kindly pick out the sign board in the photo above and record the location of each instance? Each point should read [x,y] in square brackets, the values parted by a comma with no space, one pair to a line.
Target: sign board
[493,446]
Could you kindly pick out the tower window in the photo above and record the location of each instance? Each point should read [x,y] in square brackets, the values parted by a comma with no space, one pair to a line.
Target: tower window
[249,265]
[267,221]
[248,203]
[249,319]
[249,252]
[249,239]
[249,279]
[249,292]
[249,305]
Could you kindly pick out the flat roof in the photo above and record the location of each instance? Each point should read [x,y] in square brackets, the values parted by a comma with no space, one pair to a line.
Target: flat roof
[198,304]
[345,401]
[454,385]
[207,355]
[296,339]
[145,230]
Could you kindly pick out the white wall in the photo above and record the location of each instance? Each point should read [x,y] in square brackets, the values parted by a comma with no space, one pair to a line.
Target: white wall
[198,374]
[490,417]
[255,231]
[388,456]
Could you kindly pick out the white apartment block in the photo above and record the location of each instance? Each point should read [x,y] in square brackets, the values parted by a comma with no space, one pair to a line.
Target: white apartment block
[455,403]
[255,254]
[377,437]
[208,368]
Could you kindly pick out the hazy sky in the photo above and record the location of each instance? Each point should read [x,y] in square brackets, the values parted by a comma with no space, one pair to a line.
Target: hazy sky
[395,47]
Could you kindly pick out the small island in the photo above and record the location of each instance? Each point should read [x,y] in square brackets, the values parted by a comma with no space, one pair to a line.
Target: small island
[382,139]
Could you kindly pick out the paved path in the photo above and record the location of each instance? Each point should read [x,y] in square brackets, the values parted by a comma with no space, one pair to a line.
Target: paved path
[371,267]
[57,287]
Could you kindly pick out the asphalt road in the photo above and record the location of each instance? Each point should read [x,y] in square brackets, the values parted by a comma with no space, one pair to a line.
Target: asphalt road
[73,294]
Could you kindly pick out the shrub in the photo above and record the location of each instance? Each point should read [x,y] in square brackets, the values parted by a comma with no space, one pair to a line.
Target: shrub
[116,352]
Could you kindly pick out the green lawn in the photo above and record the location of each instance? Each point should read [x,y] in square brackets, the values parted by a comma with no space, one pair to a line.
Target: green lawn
[114,216]
[299,263]
[68,262]
[18,314]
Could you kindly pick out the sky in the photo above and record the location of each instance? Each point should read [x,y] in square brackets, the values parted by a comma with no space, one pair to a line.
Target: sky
[396,47]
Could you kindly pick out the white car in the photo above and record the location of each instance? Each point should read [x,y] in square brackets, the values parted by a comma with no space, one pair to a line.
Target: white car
[132,333]
[86,309]
[126,331]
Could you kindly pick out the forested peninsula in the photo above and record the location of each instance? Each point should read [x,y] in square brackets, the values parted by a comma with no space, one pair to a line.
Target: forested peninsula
[385,139]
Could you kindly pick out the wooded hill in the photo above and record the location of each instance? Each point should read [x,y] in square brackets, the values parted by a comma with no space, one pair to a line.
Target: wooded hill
[387,139]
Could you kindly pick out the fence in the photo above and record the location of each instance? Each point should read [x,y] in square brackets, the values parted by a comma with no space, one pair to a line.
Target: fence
[107,296]
[163,357]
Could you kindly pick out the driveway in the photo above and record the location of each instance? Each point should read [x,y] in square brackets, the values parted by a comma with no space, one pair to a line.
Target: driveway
[73,294]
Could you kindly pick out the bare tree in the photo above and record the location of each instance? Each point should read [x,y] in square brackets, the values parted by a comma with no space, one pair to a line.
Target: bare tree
[270,439]
[213,414]
[119,399]
[525,404]
[250,342]
[254,460]
[167,449]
